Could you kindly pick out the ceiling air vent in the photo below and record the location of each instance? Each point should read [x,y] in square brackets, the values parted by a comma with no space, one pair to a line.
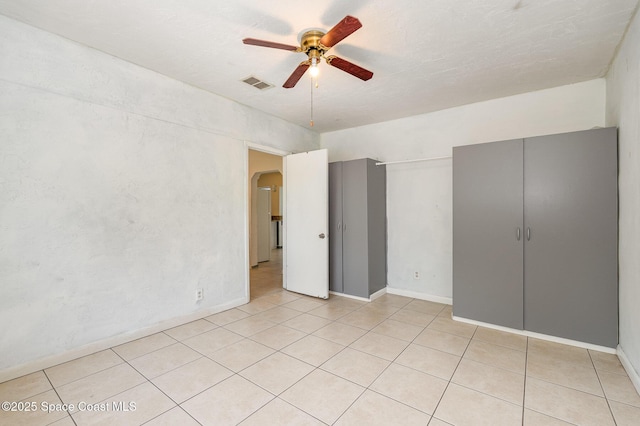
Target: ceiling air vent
[257,83]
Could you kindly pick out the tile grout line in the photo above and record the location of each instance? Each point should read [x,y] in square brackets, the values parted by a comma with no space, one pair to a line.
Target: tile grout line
[154,385]
[524,385]
[125,390]
[272,348]
[90,374]
[260,407]
[393,361]
[195,335]
[602,387]
[314,368]
[565,387]
[453,373]
[179,405]
[147,353]
[172,369]
[542,380]
[366,388]
[367,331]
[165,412]
[98,372]
[58,395]
[411,342]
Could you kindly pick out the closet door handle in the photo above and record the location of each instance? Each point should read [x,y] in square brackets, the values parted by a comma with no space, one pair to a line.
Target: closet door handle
[528,234]
[339,226]
[518,234]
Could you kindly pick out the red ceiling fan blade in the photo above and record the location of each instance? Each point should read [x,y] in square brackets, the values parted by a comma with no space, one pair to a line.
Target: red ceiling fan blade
[264,43]
[340,31]
[296,75]
[349,67]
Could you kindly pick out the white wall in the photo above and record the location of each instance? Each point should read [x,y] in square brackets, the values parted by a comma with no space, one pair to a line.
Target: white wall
[623,110]
[121,192]
[419,198]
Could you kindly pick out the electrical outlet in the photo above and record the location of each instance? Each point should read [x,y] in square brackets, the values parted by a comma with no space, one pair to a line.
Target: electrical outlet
[199,294]
[416,275]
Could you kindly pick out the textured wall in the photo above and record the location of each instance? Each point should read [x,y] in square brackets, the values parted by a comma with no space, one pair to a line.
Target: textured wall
[121,192]
[419,212]
[623,110]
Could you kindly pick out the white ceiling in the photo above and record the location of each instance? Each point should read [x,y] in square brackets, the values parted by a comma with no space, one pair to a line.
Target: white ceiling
[425,55]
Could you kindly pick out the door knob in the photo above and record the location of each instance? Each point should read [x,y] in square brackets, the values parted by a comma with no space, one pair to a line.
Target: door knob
[321,236]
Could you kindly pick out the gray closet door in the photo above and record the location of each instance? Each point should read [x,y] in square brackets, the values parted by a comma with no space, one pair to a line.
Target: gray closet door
[335,227]
[571,251]
[487,233]
[355,271]
[377,225]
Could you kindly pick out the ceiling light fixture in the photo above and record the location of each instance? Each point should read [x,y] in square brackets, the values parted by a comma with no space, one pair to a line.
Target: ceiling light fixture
[314,71]
[315,43]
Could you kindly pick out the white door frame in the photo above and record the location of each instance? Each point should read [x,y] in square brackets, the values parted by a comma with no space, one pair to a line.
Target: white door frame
[247,226]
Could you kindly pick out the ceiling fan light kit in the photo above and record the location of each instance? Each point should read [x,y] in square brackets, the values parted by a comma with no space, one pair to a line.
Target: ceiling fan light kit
[315,43]
[314,67]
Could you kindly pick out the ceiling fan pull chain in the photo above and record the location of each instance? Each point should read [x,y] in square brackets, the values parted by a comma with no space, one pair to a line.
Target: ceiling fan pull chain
[311,122]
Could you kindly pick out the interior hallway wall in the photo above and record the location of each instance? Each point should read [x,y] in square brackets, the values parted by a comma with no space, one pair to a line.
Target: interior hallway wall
[273,181]
[121,192]
[623,110]
[419,198]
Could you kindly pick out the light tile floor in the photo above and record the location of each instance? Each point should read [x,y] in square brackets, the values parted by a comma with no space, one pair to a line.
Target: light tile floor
[288,359]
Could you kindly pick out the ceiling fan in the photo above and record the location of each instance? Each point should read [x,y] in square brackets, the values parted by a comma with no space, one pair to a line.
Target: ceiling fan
[315,43]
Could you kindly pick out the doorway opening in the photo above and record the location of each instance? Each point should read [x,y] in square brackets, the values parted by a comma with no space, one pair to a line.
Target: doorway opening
[265,222]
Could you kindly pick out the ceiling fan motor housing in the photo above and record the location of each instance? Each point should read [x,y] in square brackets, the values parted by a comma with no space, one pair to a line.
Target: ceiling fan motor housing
[310,44]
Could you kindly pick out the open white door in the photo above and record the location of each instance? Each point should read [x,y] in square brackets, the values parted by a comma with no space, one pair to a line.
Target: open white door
[306,239]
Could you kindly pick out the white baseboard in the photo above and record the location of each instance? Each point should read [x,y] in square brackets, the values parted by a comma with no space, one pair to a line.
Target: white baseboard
[378,293]
[88,349]
[631,371]
[539,335]
[371,298]
[348,296]
[421,296]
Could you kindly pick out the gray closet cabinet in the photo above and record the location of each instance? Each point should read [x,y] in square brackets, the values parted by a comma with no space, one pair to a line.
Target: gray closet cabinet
[357,227]
[487,233]
[535,235]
